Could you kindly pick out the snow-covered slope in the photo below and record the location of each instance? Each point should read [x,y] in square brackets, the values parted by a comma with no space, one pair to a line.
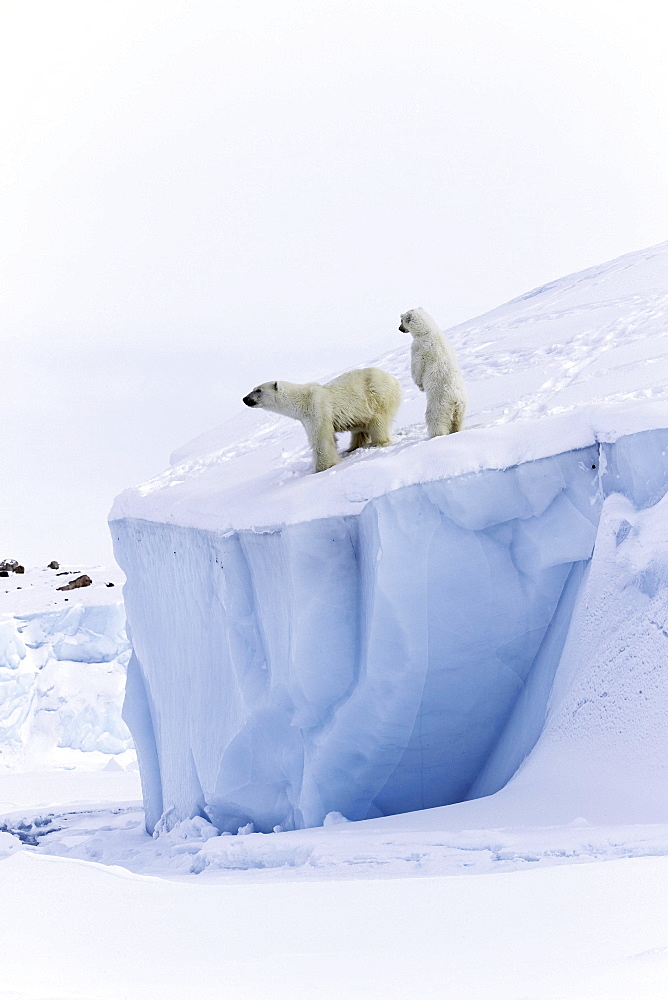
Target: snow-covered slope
[398,632]
[572,348]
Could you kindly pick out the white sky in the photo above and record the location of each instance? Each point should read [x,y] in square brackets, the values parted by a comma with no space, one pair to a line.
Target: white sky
[198,196]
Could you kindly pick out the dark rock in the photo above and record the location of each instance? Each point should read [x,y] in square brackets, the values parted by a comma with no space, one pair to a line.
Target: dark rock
[81,581]
[19,569]
[53,565]
[111,585]
[3,572]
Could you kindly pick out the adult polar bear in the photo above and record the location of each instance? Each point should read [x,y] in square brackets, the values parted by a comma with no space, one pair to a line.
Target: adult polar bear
[363,401]
[435,372]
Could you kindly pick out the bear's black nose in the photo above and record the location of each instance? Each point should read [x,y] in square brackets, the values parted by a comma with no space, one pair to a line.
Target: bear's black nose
[402,328]
[249,401]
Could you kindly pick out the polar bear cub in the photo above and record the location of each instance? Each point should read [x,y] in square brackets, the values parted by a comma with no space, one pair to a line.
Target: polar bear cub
[363,401]
[435,372]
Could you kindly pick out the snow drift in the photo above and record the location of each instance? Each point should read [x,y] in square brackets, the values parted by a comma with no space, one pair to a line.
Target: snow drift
[386,636]
[62,674]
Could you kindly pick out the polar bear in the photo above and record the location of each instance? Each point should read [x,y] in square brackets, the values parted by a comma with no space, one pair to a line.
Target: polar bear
[435,372]
[363,401]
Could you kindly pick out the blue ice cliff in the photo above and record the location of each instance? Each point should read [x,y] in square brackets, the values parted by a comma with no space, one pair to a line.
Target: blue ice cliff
[384,636]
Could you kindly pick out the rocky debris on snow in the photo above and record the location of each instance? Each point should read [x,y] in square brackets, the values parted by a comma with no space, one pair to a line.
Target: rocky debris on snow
[53,565]
[81,581]
[8,566]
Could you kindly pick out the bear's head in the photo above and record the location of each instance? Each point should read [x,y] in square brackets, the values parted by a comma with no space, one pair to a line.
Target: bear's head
[262,395]
[405,320]
[416,322]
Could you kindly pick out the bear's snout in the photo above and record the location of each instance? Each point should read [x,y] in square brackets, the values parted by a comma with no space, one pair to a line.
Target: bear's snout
[250,400]
[402,328]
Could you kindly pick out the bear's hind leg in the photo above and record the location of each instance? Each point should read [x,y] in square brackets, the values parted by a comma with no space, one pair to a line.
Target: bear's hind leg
[378,431]
[457,421]
[438,417]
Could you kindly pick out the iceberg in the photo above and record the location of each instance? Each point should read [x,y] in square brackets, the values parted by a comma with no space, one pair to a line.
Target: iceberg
[386,636]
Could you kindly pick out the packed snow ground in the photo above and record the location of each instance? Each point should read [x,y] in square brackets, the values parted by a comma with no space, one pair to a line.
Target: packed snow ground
[498,897]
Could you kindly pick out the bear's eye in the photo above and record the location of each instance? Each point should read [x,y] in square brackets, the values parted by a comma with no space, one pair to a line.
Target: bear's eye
[275,386]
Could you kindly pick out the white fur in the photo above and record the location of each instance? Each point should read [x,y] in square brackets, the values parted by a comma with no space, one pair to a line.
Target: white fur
[435,372]
[363,401]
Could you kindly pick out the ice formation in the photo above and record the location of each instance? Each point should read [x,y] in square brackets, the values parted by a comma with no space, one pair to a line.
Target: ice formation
[387,636]
[62,676]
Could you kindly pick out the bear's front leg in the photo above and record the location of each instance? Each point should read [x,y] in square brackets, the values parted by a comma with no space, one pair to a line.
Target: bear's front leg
[358,439]
[323,443]
[417,371]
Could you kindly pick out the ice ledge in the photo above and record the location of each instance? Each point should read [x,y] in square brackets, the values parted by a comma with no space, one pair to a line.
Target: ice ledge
[392,661]
[265,480]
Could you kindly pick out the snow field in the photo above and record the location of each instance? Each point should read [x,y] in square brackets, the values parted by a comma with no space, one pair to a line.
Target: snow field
[583,931]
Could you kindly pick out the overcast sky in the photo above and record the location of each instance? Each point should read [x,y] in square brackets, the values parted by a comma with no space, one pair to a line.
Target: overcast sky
[199,196]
